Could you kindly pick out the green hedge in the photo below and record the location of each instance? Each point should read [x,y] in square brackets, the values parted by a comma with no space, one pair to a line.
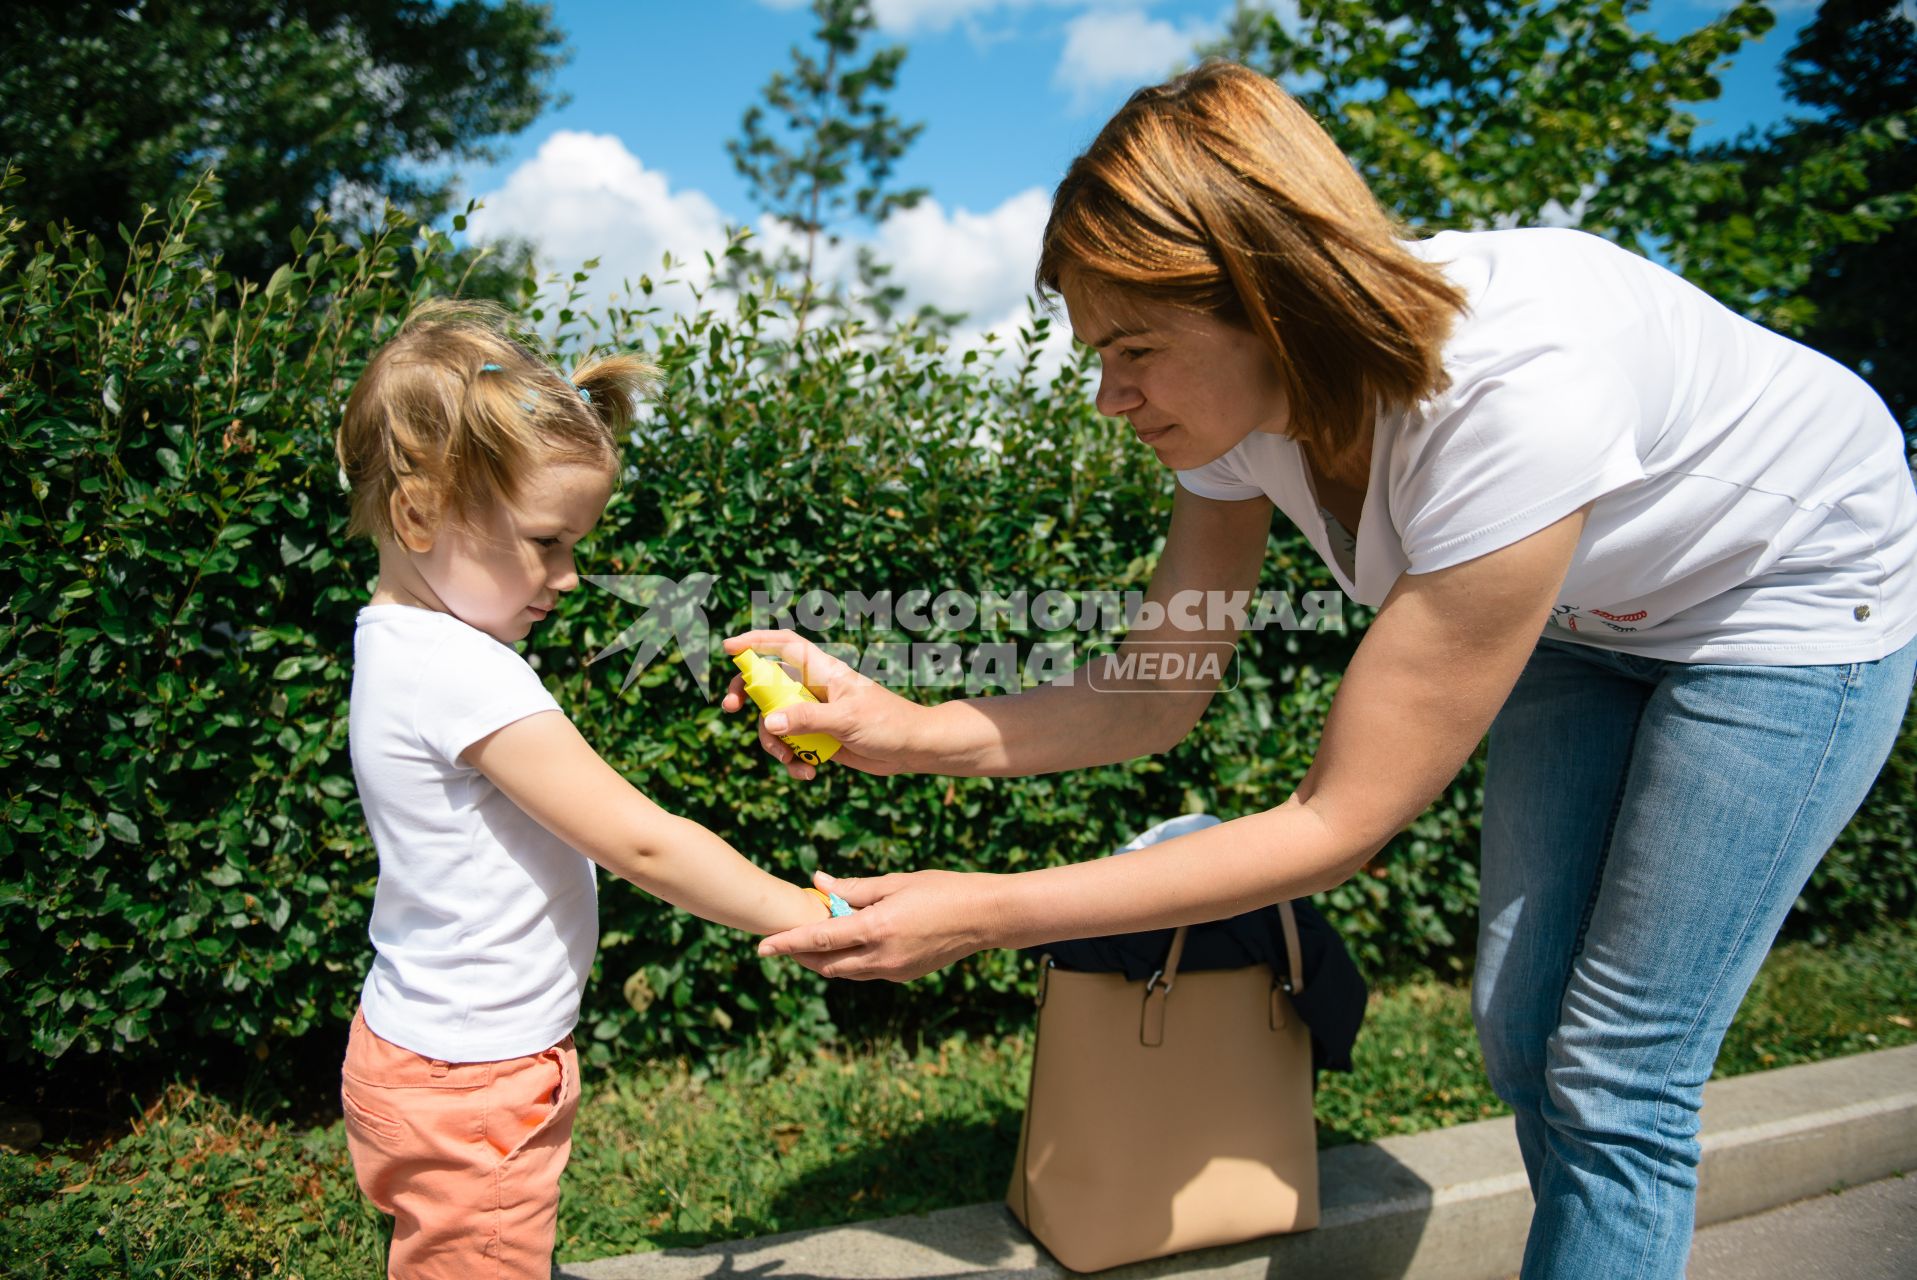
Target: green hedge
[183,858]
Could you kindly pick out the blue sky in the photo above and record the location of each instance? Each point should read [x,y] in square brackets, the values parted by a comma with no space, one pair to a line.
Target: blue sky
[1009,91]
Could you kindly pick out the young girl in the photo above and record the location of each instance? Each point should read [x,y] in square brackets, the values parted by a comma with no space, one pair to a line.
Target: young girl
[477,468]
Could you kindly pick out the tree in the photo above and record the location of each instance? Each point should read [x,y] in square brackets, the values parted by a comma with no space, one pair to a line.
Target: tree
[302,104]
[1811,227]
[823,146]
[1500,112]
[1515,112]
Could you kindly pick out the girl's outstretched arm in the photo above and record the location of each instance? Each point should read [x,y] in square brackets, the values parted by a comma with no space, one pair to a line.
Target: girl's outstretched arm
[546,768]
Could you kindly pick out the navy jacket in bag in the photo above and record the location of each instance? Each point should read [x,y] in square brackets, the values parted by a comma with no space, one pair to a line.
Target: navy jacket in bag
[1332,1003]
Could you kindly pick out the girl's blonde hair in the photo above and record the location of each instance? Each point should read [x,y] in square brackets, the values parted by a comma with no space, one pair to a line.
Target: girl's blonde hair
[456,410]
[1217,192]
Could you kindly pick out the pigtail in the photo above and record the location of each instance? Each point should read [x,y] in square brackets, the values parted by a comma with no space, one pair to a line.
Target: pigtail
[613,387]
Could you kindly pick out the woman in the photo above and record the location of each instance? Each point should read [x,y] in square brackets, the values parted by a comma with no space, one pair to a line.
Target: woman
[1672,554]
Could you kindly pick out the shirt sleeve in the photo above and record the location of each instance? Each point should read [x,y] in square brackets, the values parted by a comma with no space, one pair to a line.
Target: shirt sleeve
[1222,478]
[1514,451]
[473,686]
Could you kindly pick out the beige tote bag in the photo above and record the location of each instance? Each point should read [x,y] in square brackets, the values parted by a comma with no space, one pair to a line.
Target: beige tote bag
[1166,1115]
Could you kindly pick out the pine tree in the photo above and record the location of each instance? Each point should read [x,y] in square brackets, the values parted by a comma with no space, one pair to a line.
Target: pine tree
[822,145]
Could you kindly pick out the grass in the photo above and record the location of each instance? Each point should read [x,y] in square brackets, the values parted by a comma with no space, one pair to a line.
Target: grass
[665,1155]
[1418,1065]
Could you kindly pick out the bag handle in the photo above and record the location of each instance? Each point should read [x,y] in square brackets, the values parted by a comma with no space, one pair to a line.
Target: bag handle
[1168,973]
[1294,981]
[1158,989]
[1151,1020]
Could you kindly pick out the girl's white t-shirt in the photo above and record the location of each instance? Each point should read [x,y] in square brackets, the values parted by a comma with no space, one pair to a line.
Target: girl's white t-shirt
[1751,502]
[484,923]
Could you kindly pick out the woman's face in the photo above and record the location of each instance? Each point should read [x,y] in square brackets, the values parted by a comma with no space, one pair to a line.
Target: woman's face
[1191,385]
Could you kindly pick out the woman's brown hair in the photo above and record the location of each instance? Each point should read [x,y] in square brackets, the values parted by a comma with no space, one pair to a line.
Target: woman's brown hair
[457,409]
[1217,192]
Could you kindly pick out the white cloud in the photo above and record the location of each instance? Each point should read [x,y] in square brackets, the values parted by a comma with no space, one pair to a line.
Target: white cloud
[911,17]
[979,263]
[584,195]
[903,17]
[1124,47]
[1004,329]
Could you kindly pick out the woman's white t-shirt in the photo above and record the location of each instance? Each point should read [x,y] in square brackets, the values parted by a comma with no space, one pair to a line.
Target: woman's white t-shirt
[1750,498]
[484,923]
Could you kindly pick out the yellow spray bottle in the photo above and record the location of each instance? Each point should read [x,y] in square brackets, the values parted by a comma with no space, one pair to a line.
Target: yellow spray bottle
[767,684]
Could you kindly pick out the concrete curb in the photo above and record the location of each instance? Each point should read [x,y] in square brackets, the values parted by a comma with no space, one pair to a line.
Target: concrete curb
[1447,1205]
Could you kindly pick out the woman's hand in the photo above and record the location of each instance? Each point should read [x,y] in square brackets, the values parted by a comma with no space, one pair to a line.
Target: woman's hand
[873,724]
[907,925]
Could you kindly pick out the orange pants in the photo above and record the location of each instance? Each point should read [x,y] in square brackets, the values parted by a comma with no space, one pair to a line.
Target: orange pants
[465,1156]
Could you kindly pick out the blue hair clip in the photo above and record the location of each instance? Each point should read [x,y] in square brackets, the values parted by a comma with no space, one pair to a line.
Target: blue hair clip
[490,367]
[527,405]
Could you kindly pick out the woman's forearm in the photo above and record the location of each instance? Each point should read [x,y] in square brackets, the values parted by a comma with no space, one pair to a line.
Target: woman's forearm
[910,924]
[1084,719]
[1283,853]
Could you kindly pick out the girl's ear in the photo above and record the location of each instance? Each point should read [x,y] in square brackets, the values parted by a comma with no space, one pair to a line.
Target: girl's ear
[414,527]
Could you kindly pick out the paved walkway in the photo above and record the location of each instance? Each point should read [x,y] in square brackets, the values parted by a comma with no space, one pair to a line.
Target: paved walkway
[1453,1204]
[1865,1233]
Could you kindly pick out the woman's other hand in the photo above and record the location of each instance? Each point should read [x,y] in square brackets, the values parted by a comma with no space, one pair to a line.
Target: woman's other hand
[907,925]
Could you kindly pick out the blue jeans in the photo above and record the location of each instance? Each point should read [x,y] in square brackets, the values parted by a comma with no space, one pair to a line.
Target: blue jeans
[1647,826]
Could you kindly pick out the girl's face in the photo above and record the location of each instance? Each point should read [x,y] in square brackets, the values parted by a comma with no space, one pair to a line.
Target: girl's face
[1192,386]
[507,573]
